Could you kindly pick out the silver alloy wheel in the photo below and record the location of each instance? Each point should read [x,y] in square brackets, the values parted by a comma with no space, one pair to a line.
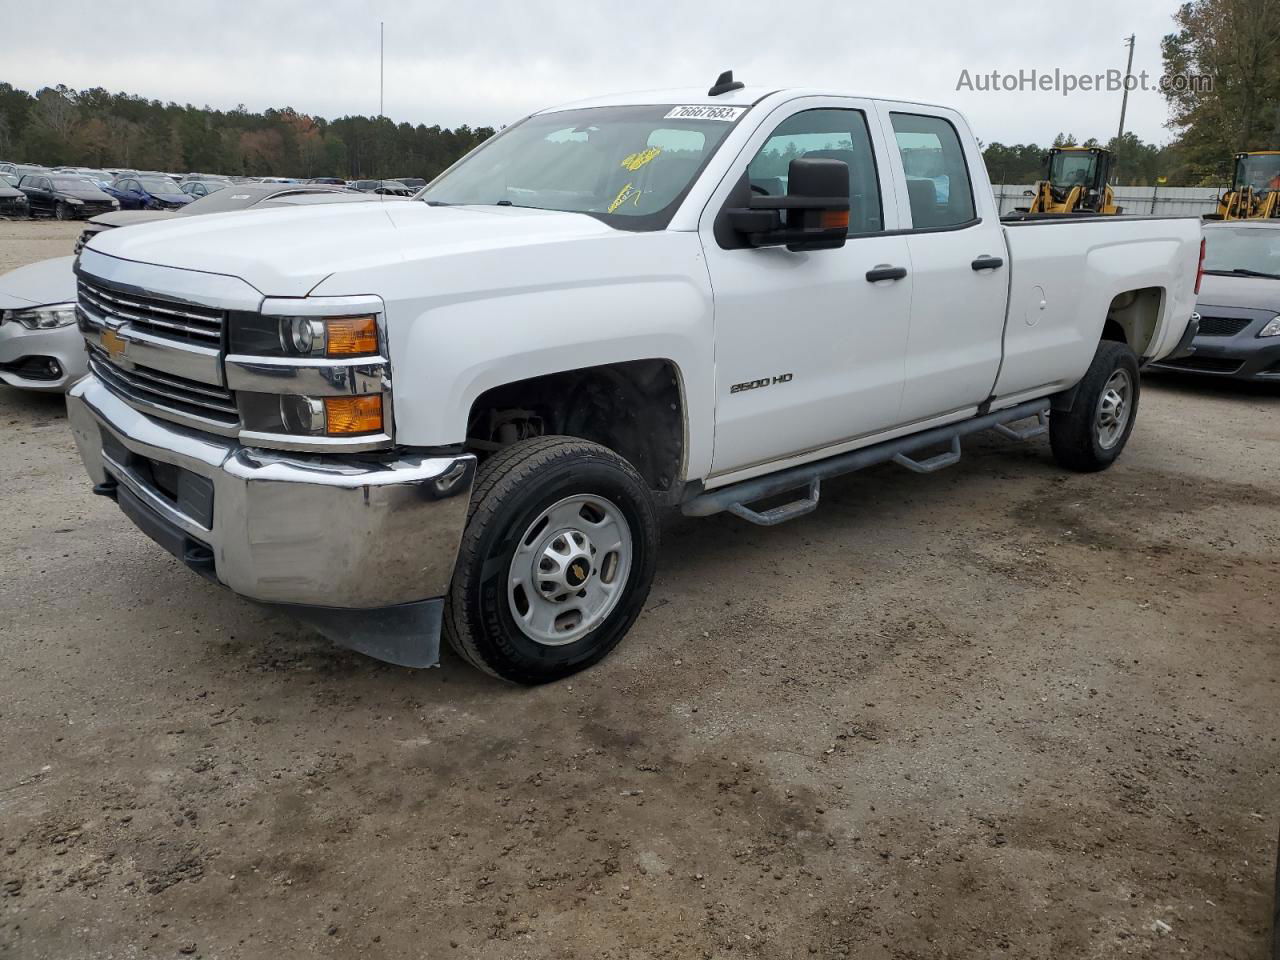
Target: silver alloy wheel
[570,569]
[1114,408]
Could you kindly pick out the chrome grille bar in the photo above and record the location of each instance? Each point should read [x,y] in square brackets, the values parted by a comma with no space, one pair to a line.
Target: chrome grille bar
[206,405]
[164,318]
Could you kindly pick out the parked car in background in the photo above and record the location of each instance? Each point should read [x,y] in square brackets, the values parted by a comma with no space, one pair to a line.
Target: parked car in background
[390,188]
[13,202]
[332,181]
[64,196]
[241,196]
[143,192]
[21,170]
[1239,303]
[413,183]
[196,189]
[40,345]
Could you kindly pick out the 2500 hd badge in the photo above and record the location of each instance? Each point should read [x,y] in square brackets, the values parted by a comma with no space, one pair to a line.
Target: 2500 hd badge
[757,384]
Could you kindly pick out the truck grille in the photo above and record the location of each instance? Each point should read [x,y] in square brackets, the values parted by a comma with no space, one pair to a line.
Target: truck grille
[1222,326]
[153,388]
[162,318]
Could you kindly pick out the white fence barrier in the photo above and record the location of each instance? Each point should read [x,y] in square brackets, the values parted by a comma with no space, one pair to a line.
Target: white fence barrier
[1185,201]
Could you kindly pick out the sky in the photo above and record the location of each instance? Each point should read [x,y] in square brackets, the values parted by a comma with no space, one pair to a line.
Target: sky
[490,62]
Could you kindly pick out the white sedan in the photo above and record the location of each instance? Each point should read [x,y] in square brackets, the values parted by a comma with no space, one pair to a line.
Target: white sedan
[40,345]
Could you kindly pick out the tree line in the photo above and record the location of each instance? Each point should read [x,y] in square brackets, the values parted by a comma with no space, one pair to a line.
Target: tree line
[59,126]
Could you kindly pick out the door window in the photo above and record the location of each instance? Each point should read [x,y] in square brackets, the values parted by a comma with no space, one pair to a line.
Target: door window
[835,135]
[937,177]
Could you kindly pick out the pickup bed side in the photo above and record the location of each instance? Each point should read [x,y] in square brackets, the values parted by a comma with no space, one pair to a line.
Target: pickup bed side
[1074,281]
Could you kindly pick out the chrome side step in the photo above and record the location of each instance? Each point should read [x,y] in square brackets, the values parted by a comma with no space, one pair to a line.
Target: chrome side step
[736,497]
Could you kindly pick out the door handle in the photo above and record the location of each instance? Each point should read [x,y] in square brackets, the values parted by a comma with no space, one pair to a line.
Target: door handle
[886,273]
[987,263]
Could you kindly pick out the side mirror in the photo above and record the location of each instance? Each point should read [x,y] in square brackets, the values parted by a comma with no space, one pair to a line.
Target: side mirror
[814,215]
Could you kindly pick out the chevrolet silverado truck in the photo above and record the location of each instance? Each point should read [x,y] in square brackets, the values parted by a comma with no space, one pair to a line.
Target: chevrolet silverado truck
[459,416]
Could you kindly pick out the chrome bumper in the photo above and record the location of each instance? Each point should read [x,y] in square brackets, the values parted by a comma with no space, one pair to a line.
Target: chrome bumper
[319,532]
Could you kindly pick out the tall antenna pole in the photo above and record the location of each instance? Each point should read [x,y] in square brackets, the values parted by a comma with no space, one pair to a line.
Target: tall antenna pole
[382,52]
[1128,72]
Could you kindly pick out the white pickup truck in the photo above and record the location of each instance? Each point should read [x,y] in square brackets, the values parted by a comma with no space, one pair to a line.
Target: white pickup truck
[460,415]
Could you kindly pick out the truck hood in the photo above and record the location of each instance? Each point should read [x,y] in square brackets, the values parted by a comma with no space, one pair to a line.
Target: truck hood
[286,252]
[1249,293]
[38,284]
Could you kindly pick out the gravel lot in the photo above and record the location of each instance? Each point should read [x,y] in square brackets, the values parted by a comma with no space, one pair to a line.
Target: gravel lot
[1003,711]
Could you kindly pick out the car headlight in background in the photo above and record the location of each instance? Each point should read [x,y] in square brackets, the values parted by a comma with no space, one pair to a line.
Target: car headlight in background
[42,318]
[1272,329]
[74,202]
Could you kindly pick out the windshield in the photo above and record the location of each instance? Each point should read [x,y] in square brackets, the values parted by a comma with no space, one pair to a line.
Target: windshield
[1256,249]
[236,198]
[159,185]
[1259,172]
[9,178]
[628,166]
[74,183]
[1071,169]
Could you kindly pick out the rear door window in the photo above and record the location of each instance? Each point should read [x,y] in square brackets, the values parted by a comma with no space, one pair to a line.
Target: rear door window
[938,184]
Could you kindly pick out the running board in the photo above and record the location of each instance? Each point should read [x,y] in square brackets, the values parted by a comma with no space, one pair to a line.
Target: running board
[734,498]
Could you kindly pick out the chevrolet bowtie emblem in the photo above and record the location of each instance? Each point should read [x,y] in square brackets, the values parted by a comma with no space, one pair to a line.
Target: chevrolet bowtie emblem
[115,345]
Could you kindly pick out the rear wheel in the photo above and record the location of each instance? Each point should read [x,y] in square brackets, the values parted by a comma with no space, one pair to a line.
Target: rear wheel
[1090,435]
[556,560]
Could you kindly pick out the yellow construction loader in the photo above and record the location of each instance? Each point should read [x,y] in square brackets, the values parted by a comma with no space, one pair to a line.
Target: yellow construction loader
[1076,182]
[1255,188]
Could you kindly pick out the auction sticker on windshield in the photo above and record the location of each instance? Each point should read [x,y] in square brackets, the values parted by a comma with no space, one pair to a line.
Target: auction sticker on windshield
[705,112]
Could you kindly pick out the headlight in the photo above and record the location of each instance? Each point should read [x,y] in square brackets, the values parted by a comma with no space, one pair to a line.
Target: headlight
[338,338]
[74,202]
[43,318]
[1272,329]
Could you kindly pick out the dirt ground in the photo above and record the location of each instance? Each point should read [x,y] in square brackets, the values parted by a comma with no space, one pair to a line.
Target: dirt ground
[1002,711]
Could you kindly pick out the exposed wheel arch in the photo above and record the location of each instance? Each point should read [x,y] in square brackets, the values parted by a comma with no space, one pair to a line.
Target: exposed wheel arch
[635,408]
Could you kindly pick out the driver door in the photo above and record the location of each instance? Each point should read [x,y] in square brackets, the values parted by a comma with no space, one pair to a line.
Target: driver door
[810,346]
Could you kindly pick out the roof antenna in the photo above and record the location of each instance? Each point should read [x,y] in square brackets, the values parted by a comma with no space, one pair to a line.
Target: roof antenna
[724,84]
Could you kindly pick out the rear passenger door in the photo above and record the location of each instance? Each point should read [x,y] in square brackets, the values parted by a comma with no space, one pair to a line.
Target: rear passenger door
[959,273]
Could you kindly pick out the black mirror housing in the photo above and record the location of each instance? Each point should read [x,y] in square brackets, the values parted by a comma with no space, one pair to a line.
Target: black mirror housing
[816,209]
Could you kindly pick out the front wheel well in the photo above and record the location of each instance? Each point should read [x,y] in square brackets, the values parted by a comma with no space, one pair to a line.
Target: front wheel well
[634,408]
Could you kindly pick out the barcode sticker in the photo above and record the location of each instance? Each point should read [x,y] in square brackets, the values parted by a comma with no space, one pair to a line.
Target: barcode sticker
[705,112]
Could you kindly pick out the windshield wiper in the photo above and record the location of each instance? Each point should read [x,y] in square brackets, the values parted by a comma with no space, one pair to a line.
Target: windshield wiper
[437,203]
[1244,272]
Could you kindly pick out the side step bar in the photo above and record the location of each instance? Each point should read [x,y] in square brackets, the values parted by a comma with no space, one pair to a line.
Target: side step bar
[735,497]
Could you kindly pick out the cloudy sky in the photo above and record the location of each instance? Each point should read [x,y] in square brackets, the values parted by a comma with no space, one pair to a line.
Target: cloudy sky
[492,61]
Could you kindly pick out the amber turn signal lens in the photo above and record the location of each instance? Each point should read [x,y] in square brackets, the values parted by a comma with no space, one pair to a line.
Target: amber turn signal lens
[834,220]
[346,415]
[350,336]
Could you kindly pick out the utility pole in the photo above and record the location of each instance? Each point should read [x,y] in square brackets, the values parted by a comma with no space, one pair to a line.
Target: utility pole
[382,54]
[1128,72]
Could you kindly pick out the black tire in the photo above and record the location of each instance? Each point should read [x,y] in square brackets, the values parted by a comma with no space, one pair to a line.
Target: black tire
[1077,436]
[513,488]
[60,211]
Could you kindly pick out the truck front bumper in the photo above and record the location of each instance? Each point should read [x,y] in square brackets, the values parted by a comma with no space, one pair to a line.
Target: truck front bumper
[362,549]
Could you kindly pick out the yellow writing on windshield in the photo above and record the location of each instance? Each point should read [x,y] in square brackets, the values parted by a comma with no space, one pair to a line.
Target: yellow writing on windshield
[625,194]
[634,161]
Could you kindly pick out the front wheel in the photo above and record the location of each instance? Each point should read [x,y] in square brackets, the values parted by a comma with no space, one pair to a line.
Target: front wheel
[556,560]
[1090,436]
[60,212]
